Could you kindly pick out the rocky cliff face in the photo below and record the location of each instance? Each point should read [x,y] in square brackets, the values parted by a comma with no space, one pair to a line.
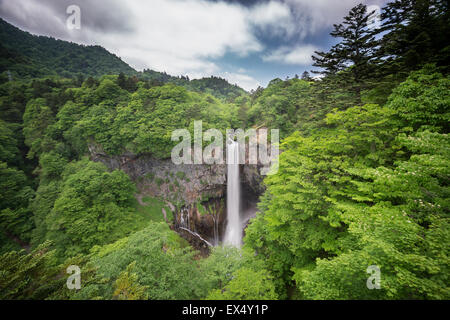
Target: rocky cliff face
[194,193]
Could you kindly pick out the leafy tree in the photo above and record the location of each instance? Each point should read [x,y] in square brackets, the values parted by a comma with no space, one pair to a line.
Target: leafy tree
[14,214]
[127,286]
[144,122]
[13,99]
[398,222]
[109,90]
[351,195]
[219,267]
[247,284]
[28,276]
[279,106]
[423,100]
[36,119]
[8,146]
[161,267]
[41,205]
[298,219]
[93,207]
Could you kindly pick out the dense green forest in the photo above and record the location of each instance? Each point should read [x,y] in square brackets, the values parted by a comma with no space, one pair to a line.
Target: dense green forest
[363,174]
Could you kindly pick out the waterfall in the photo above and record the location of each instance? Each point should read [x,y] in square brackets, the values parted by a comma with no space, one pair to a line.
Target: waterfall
[233,231]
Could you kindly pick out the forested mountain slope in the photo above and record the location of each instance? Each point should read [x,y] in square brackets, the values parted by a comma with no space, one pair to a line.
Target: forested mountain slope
[27,55]
[23,55]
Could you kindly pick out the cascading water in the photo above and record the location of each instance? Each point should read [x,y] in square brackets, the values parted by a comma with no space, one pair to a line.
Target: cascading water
[233,231]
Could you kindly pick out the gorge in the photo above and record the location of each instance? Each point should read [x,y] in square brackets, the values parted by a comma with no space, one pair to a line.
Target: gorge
[206,204]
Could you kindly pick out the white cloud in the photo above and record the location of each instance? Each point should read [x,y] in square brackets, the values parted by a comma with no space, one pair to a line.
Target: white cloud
[184,37]
[31,14]
[273,18]
[299,55]
[313,16]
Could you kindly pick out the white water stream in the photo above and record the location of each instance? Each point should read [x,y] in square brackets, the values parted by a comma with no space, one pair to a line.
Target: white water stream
[233,231]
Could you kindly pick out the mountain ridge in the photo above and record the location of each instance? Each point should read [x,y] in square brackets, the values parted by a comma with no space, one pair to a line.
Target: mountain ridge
[24,55]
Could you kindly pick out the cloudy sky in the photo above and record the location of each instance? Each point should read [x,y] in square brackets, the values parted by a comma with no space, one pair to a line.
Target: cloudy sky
[248,42]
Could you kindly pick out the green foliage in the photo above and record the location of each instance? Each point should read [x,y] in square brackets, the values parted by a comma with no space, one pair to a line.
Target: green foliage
[127,286]
[8,143]
[217,87]
[295,104]
[247,284]
[36,119]
[423,100]
[151,209]
[366,190]
[162,268]
[94,206]
[42,204]
[25,55]
[28,276]
[278,105]
[399,222]
[52,166]
[144,122]
[15,217]
[219,267]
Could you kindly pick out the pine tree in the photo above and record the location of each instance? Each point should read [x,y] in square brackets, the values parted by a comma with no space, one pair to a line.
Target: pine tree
[122,81]
[131,84]
[354,53]
[306,76]
[416,32]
